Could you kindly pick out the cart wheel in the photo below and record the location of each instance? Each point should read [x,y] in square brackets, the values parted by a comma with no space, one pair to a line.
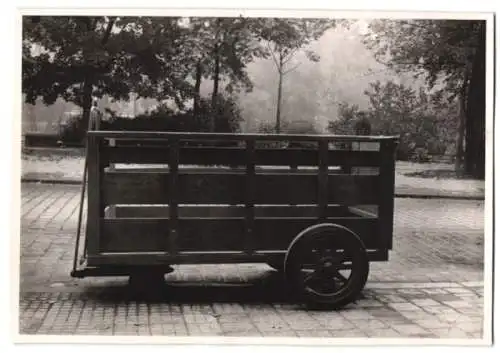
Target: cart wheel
[327,265]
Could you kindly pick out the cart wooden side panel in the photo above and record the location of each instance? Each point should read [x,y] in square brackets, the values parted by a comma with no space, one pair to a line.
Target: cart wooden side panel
[219,214]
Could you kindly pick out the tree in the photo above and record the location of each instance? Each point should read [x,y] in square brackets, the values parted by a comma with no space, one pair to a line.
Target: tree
[418,117]
[451,55]
[347,116]
[285,38]
[82,57]
[220,49]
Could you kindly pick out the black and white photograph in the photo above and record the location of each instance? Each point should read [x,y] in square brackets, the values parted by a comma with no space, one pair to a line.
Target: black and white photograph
[255,176]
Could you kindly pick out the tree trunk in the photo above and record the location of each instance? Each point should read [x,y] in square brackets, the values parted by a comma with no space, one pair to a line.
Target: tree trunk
[197,86]
[461,126]
[476,111]
[280,88]
[86,105]
[215,91]
[88,84]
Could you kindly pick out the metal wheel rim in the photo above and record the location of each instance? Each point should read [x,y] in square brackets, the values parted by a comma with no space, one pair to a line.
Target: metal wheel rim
[319,267]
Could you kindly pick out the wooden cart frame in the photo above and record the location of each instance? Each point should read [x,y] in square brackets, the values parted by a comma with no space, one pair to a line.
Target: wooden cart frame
[229,198]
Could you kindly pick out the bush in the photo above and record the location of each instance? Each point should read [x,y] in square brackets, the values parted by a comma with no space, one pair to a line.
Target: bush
[226,116]
[73,131]
[294,128]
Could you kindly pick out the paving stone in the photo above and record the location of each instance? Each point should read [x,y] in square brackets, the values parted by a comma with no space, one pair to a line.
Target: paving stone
[348,333]
[356,315]
[404,306]
[240,327]
[383,333]
[426,302]
[335,323]
[431,323]
[410,330]
[451,332]
[312,333]
[472,284]
[371,324]
[279,333]
[392,299]
[471,312]
[444,297]
[459,290]
[458,304]
[423,280]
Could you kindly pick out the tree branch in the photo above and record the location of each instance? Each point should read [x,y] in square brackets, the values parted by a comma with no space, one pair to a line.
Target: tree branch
[274,57]
[107,33]
[291,69]
[290,55]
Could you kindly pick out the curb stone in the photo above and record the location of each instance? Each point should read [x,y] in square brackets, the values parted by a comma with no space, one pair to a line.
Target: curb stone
[397,194]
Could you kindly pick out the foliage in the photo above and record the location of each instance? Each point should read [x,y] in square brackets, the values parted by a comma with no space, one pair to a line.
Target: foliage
[284,38]
[71,131]
[163,118]
[451,55]
[418,117]
[295,128]
[80,57]
[232,39]
[347,117]
[118,53]
[433,48]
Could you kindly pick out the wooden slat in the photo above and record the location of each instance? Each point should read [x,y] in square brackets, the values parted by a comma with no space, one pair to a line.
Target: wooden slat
[229,188]
[143,235]
[144,135]
[94,201]
[124,260]
[130,235]
[236,156]
[135,188]
[211,234]
[173,193]
[138,259]
[274,234]
[386,186]
[218,211]
[249,197]
[342,189]
[322,189]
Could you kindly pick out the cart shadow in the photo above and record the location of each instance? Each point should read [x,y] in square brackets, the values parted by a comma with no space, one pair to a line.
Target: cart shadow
[268,288]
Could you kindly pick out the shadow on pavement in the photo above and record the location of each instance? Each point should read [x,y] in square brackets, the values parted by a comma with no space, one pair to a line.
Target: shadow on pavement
[270,288]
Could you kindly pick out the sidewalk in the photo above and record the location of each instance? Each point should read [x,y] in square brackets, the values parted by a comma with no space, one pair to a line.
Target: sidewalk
[61,168]
[431,287]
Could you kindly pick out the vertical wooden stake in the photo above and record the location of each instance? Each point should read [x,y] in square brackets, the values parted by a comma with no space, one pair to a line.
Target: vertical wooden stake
[250,197]
[386,192]
[95,209]
[322,179]
[173,203]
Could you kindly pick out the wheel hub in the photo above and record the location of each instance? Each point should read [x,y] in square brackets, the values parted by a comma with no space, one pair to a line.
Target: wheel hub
[328,263]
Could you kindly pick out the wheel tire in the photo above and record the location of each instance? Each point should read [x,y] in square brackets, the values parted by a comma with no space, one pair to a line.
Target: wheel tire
[324,250]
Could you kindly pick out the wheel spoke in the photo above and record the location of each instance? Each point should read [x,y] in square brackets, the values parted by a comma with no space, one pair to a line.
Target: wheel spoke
[339,276]
[326,266]
[311,276]
[342,257]
[316,255]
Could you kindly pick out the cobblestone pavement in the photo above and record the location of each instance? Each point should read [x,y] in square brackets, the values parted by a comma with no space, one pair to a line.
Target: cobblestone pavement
[432,285]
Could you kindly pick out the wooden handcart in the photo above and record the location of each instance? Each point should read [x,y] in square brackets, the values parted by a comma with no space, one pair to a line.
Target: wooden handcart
[199,198]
